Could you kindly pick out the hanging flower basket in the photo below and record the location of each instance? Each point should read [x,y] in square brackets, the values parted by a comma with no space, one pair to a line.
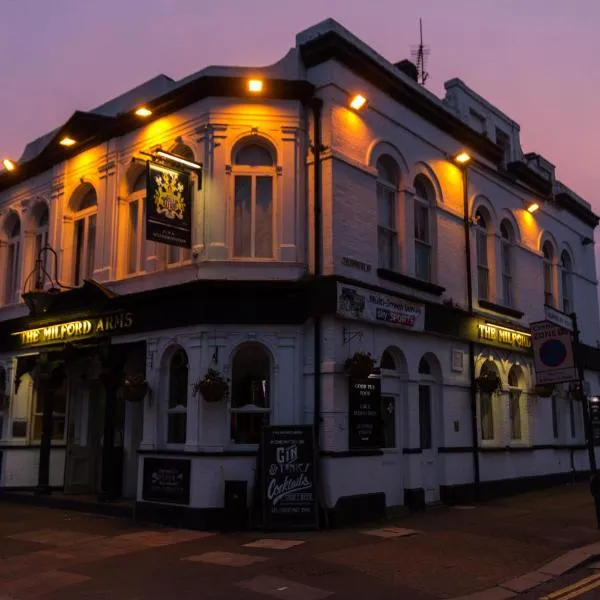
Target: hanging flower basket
[213,386]
[134,388]
[488,383]
[543,391]
[360,365]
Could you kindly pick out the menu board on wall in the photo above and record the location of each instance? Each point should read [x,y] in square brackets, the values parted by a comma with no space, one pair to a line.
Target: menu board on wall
[364,414]
[595,421]
[289,477]
[166,480]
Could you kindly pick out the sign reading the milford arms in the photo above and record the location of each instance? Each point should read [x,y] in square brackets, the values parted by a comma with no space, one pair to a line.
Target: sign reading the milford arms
[168,206]
[75,330]
[483,332]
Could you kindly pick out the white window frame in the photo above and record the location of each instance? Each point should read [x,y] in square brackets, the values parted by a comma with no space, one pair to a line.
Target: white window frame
[566,274]
[140,241]
[506,266]
[178,409]
[84,216]
[55,415]
[548,275]
[41,239]
[423,243]
[387,233]
[12,282]
[483,262]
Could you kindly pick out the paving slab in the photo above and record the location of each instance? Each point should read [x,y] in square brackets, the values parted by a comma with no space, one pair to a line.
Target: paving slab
[390,532]
[495,593]
[228,559]
[526,582]
[274,544]
[283,589]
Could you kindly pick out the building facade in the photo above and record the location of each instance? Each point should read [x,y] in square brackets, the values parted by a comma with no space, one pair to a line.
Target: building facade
[320,232]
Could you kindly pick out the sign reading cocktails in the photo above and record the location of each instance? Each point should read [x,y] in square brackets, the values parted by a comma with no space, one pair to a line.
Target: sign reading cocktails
[75,330]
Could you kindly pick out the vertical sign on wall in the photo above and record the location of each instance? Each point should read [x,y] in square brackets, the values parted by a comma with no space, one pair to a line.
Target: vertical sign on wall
[168,206]
[364,414]
[553,358]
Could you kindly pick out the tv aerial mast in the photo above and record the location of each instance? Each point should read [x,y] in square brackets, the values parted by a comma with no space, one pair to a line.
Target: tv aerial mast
[420,54]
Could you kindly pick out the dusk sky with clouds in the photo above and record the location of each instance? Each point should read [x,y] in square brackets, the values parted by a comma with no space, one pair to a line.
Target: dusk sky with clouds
[537,60]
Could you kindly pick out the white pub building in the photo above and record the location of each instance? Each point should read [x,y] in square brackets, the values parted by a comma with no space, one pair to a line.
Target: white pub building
[318,242]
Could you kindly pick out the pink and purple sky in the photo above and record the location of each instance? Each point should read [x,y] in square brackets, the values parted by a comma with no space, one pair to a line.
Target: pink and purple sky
[537,60]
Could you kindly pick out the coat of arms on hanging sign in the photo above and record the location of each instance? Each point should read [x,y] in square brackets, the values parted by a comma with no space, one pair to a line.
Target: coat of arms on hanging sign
[168,206]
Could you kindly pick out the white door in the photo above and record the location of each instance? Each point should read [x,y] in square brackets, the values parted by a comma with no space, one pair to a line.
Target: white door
[428,444]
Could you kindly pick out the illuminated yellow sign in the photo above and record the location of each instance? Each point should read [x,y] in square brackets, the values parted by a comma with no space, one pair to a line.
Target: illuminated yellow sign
[73,330]
[503,335]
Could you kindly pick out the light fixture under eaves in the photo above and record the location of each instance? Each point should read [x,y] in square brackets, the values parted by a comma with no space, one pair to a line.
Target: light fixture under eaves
[178,159]
[67,141]
[255,86]
[9,165]
[358,102]
[533,207]
[462,158]
[143,111]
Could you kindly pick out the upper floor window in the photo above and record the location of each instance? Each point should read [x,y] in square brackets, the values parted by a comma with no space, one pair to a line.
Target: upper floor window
[548,266]
[135,234]
[85,208]
[41,237]
[254,182]
[483,267]
[566,275]
[387,191]
[250,393]
[424,198]
[12,230]
[507,238]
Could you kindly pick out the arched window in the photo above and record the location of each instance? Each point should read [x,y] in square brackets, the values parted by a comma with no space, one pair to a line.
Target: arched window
[177,399]
[486,403]
[387,192]
[254,183]
[515,409]
[548,266]
[250,393]
[424,198]
[566,276]
[40,214]
[387,361]
[507,238]
[12,230]
[135,234]
[177,256]
[85,209]
[483,266]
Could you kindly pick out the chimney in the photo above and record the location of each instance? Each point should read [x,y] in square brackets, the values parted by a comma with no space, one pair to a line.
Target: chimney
[408,68]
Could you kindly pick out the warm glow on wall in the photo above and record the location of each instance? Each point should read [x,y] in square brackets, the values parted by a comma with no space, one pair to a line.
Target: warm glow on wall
[142,111]
[358,102]
[255,86]
[9,165]
[462,158]
[67,141]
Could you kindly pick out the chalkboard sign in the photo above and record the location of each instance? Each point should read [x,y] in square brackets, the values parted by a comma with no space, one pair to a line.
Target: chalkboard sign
[289,485]
[595,421]
[364,414]
[166,480]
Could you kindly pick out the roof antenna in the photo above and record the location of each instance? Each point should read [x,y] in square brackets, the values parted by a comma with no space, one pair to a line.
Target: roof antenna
[419,54]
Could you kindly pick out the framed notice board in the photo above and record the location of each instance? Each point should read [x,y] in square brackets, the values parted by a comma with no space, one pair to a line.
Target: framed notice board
[289,477]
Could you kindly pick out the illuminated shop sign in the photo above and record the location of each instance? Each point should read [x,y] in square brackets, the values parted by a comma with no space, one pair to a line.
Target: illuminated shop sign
[75,330]
[503,335]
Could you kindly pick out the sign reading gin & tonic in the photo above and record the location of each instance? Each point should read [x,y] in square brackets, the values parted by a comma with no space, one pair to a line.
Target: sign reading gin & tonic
[75,330]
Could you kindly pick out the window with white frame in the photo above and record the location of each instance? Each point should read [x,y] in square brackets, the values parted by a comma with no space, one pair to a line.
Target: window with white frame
[548,268]
[566,275]
[254,172]
[135,229]
[388,178]
[40,214]
[517,410]
[59,412]
[507,238]
[483,267]
[177,397]
[84,239]
[424,199]
[250,393]
[12,231]
[487,405]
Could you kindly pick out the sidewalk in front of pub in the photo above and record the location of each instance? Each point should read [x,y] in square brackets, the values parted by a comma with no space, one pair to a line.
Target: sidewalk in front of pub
[490,551]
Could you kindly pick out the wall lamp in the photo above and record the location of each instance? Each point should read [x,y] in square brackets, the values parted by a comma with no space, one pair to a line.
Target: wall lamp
[143,112]
[358,102]
[178,159]
[9,164]
[462,158]
[67,141]
[533,207]
[255,86]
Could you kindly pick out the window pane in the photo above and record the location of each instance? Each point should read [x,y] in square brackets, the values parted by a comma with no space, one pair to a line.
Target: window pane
[263,227]
[507,290]
[132,241]
[421,222]
[514,399]
[250,381]
[388,414]
[487,416]
[178,379]
[572,416]
[10,273]
[242,227]
[425,416]
[482,283]
[79,228]
[386,241]
[246,427]
[176,428]
[91,247]
[386,207]
[423,261]
[482,248]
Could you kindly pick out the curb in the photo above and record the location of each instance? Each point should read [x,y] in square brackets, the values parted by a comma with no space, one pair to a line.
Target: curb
[559,566]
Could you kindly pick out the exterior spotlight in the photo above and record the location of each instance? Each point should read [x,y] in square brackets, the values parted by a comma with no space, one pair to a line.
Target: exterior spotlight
[255,86]
[179,159]
[358,102]
[67,141]
[533,207]
[9,165]
[462,158]
[144,112]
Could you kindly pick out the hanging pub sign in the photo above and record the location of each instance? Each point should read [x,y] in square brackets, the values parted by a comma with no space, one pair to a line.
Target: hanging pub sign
[168,206]
[289,478]
[364,414]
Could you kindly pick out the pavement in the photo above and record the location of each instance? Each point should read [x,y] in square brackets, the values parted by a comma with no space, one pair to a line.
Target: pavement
[533,544]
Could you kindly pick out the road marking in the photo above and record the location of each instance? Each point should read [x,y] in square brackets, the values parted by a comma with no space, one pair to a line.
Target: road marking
[582,590]
[563,593]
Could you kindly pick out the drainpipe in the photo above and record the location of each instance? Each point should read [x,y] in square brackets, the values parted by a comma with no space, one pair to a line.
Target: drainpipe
[472,386]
